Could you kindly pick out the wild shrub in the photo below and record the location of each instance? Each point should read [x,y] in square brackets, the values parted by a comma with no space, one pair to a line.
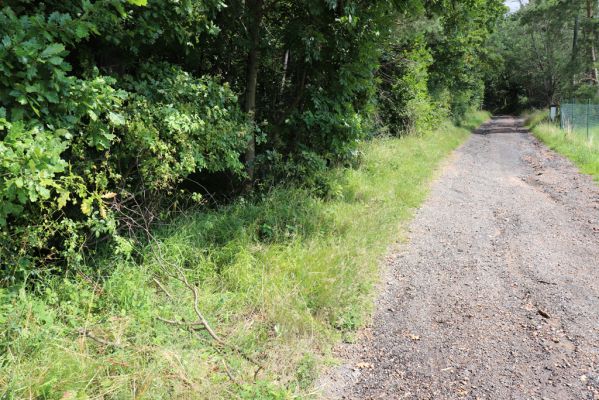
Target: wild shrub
[74,150]
[405,105]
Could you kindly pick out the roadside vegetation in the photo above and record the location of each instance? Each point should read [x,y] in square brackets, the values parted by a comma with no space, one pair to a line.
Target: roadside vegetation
[582,150]
[195,194]
[281,276]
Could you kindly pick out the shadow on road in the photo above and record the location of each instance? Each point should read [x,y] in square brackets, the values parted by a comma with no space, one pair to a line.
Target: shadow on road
[503,124]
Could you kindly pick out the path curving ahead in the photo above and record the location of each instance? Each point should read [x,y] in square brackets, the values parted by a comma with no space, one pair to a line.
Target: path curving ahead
[496,295]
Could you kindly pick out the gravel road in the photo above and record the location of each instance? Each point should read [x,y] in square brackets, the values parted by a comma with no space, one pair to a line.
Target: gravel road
[496,294]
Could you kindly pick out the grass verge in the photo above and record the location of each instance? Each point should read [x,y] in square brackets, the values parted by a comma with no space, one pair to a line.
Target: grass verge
[280,278]
[581,149]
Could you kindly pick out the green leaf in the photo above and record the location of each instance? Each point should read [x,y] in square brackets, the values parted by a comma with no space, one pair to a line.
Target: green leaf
[52,97]
[81,31]
[53,50]
[55,60]
[86,206]
[116,119]
[138,2]
[44,192]
[33,196]
[22,196]
[61,202]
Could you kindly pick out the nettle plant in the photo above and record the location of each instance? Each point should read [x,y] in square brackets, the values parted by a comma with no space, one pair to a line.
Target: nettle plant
[72,145]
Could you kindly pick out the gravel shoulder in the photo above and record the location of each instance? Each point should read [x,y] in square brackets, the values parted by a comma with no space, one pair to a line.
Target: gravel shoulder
[496,294]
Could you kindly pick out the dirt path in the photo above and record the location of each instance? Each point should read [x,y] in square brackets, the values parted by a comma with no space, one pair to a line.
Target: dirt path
[496,296]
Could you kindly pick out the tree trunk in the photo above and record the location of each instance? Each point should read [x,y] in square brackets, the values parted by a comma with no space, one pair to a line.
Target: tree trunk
[574,55]
[285,66]
[255,13]
[591,38]
[575,38]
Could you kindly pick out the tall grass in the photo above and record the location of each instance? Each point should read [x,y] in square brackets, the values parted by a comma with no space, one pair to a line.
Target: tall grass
[579,147]
[281,278]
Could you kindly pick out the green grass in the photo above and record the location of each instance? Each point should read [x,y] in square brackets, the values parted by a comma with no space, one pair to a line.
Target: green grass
[533,118]
[282,277]
[580,149]
[475,119]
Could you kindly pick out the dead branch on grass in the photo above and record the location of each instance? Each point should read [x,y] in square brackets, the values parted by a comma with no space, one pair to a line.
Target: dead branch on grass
[86,333]
[189,325]
[137,218]
[163,288]
[202,323]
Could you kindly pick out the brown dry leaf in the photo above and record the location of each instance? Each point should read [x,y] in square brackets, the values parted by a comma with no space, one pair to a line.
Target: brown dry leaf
[364,365]
[110,195]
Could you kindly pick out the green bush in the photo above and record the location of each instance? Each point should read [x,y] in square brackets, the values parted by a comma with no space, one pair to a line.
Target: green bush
[74,149]
[177,125]
[405,105]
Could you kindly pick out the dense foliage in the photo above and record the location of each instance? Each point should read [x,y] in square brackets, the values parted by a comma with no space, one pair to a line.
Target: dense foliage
[108,107]
[543,53]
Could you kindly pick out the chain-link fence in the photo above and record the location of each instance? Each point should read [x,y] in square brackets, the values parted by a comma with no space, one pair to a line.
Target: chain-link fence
[580,118]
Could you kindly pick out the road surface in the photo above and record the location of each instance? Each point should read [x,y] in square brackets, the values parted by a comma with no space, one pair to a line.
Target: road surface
[496,294]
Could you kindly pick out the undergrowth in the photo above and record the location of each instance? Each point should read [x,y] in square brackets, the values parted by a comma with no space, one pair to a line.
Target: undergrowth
[583,150]
[280,278]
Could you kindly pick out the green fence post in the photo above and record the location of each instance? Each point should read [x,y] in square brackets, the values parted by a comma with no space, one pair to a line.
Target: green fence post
[588,107]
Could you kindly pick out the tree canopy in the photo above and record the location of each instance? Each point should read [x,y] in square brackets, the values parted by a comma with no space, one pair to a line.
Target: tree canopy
[110,107]
[543,53]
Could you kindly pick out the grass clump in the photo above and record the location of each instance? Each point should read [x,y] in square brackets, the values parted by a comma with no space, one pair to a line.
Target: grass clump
[280,277]
[581,149]
[533,118]
[474,119]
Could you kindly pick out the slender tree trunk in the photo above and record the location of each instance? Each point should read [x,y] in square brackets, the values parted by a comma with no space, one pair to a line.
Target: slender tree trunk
[591,38]
[575,38]
[285,66]
[255,13]
[574,56]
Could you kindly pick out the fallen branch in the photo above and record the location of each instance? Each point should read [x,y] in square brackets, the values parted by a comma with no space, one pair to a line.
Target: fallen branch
[161,286]
[211,332]
[190,325]
[202,323]
[86,333]
[229,374]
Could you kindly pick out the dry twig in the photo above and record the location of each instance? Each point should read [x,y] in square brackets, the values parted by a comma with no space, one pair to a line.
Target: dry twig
[163,288]
[202,323]
[190,325]
[86,333]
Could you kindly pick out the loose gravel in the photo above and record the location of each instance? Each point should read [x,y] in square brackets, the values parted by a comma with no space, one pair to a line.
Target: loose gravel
[496,294]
